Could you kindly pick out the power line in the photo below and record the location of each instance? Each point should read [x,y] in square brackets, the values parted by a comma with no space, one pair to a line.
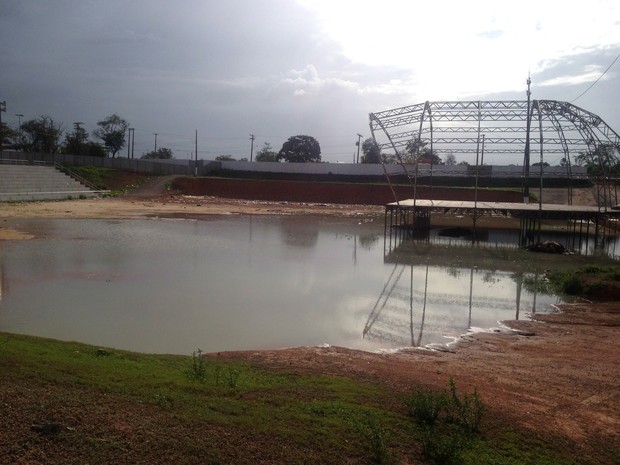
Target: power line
[599,78]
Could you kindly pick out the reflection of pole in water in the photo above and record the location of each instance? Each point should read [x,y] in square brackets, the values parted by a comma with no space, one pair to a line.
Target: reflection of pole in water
[387,294]
[471,293]
[519,288]
[411,307]
[423,309]
[415,343]
[376,310]
[535,294]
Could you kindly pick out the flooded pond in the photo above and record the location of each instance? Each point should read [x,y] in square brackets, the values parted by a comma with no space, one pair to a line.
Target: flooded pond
[233,283]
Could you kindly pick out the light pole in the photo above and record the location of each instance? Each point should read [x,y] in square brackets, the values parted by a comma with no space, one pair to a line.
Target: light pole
[155,134]
[359,138]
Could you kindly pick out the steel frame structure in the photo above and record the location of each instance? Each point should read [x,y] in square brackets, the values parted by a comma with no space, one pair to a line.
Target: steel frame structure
[534,129]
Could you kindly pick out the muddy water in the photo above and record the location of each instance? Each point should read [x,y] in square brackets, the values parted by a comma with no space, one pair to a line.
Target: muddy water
[246,283]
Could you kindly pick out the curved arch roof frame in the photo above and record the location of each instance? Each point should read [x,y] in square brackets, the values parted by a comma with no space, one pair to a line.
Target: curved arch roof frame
[558,131]
[456,127]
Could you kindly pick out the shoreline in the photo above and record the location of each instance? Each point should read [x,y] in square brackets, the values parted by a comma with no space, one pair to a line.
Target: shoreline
[556,373]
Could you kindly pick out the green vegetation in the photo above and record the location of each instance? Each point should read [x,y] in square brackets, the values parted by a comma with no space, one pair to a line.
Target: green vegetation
[236,407]
[450,421]
[116,181]
[94,174]
[596,281]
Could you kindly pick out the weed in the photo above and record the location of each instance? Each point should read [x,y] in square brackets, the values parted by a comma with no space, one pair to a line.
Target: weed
[377,435]
[469,408]
[449,420]
[593,269]
[232,377]
[445,448]
[572,285]
[425,405]
[229,377]
[164,400]
[198,369]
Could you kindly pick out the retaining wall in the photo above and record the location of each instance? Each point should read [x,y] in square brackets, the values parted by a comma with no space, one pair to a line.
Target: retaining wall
[325,192]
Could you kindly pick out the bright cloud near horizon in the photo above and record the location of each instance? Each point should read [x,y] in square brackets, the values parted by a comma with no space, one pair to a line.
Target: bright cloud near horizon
[278,68]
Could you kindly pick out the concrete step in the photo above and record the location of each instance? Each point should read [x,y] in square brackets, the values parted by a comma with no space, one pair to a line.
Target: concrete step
[32,182]
[32,196]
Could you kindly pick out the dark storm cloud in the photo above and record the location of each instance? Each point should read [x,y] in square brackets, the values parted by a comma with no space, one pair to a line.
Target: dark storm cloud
[225,68]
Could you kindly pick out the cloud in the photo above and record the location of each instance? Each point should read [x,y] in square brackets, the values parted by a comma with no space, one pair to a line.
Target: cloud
[277,68]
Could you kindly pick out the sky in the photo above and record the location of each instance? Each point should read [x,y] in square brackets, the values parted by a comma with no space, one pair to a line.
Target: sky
[230,69]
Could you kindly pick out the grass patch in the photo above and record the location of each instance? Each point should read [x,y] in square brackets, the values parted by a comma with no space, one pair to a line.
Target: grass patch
[595,281]
[192,407]
[449,421]
[94,174]
[118,182]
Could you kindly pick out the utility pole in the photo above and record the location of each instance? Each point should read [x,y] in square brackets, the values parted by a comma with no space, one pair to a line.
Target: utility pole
[128,141]
[133,140]
[156,134]
[78,138]
[359,138]
[196,155]
[2,108]
[19,129]
[251,146]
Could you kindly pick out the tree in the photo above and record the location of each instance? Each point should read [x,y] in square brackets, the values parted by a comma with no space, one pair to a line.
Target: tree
[300,149]
[76,142]
[93,149]
[389,158]
[7,135]
[416,151]
[266,153]
[225,158]
[161,153]
[372,152]
[112,132]
[41,135]
[450,159]
[602,160]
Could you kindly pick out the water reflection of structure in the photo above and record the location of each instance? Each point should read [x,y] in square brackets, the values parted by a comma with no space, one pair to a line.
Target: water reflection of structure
[580,237]
[433,293]
[412,218]
[402,312]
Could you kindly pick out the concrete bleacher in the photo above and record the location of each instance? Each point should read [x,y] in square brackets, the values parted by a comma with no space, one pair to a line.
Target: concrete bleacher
[22,182]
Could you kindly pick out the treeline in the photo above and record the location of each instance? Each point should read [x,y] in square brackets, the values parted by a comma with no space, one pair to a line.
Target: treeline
[44,135]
